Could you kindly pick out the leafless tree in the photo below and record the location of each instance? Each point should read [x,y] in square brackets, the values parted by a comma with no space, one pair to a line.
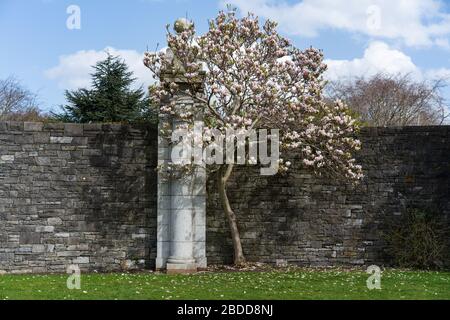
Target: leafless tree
[31,115]
[15,99]
[387,100]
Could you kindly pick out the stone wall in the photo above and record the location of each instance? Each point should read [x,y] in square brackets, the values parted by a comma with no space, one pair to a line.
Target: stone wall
[77,194]
[310,221]
[86,195]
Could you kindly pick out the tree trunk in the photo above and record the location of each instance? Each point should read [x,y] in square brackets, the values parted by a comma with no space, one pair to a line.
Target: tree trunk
[222,178]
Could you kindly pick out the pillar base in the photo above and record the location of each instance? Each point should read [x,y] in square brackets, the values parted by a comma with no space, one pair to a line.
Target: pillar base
[183,268]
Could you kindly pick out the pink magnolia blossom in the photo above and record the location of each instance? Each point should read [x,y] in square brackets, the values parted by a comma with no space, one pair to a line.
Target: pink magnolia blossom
[255,78]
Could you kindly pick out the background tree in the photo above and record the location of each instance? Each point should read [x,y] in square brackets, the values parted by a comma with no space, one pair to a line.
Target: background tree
[254,79]
[111,98]
[392,100]
[17,103]
[32,115]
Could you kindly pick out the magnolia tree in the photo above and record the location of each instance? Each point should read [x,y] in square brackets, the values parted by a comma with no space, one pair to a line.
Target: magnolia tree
[255,78]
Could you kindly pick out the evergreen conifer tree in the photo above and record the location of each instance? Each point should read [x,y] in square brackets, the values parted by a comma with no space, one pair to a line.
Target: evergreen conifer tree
[111,98]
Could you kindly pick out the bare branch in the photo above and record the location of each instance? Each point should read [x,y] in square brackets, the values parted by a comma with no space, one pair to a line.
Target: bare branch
[386,100]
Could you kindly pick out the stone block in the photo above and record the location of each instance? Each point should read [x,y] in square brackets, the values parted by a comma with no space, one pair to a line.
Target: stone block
[30,237]
[7,158]
[45,229]
[81,260]
[173,268]
[33,126]
[54,221]
[43,161]
[38,248]
[61,140]
[73,129]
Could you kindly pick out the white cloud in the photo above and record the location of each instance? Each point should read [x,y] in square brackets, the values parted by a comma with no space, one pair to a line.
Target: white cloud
[414,22]
[438,74]
[443,43]
[73,70]
[380,58]
[377,58]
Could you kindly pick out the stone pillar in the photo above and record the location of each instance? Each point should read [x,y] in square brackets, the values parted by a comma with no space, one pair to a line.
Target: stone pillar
[181,204]
[164,201]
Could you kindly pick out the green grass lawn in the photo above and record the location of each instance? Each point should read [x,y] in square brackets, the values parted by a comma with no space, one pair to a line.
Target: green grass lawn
[284,285]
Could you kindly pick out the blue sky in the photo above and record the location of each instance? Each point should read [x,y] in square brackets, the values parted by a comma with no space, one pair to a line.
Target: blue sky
[358,37]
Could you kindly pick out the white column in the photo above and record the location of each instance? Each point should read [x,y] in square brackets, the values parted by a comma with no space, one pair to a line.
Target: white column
[181,257]
[181,212]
